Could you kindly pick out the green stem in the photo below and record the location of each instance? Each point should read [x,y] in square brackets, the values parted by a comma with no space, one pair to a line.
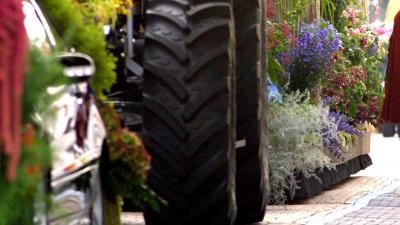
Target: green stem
[112,209]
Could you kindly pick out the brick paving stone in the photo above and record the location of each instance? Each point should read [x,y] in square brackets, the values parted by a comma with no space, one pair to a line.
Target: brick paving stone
[299,214]
[383,210]
[348,191]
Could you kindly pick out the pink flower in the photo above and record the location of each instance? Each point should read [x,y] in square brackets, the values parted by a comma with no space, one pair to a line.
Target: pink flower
[354,32]
[353,20]
[380,30]
[350,13]
[363,29]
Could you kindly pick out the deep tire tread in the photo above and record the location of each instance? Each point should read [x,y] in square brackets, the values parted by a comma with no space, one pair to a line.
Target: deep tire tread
[250,74]
[189,112]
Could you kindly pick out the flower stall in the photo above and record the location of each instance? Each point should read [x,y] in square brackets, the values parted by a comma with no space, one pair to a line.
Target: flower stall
[327,75]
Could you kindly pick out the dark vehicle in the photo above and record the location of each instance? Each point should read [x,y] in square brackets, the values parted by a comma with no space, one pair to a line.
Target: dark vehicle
[192,80]
[77,134]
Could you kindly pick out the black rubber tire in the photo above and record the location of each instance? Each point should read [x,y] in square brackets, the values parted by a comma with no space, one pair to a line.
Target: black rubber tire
[251,160]
[189,110]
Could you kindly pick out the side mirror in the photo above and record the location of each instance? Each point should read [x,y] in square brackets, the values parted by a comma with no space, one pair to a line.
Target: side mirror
[77,65]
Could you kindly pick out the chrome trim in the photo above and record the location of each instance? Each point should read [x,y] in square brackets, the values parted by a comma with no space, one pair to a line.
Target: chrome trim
[240,143]
[72,175]
[44,22]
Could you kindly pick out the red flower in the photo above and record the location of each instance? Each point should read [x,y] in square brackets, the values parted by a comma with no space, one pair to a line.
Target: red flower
[271,13]
[286,30]
[363,42]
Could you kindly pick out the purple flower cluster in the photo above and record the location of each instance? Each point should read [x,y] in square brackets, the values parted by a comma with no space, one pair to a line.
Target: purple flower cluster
[329,101]
[316,44]
[312,54]
[331,141]
[344,125]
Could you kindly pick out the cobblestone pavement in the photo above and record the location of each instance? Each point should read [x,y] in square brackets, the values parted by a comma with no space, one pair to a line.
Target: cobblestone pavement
[382,210]
[334,199]
[298,214]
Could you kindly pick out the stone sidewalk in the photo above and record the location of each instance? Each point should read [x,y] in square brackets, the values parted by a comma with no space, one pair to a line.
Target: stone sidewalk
[337,198]
[383,210]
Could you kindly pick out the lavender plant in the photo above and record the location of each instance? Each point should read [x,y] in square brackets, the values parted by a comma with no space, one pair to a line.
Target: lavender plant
[343,123]
[312,55]
[295,142]
[334,142]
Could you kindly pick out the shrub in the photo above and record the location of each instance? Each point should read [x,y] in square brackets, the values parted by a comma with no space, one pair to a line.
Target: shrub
[295,142]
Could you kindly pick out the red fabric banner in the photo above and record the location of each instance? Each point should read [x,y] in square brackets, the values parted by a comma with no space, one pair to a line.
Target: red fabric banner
[391,106]
[13,46]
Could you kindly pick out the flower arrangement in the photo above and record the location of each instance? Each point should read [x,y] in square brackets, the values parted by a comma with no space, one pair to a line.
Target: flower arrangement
[344,59]
[280,37]
[129,162]
[283,20]
[312,55]
[356,77]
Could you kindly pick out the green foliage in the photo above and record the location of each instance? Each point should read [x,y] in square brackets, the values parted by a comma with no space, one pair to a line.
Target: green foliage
[18,198]
[279,37]
[130,162]
[275,70]
[86,36]
[328,9]
[43,72]
[295,142]
[292,12]
[104,12]
[340,6]
[332,10]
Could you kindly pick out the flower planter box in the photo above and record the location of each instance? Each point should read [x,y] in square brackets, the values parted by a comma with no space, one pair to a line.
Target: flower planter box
[356,159]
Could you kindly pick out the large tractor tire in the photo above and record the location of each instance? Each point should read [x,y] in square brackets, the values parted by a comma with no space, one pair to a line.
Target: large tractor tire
[189,110]
[251,158]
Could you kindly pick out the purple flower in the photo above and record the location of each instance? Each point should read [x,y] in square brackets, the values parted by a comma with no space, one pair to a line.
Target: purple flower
[312,54]
[328,101]
[332,143]
[330,139]
[343,123]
